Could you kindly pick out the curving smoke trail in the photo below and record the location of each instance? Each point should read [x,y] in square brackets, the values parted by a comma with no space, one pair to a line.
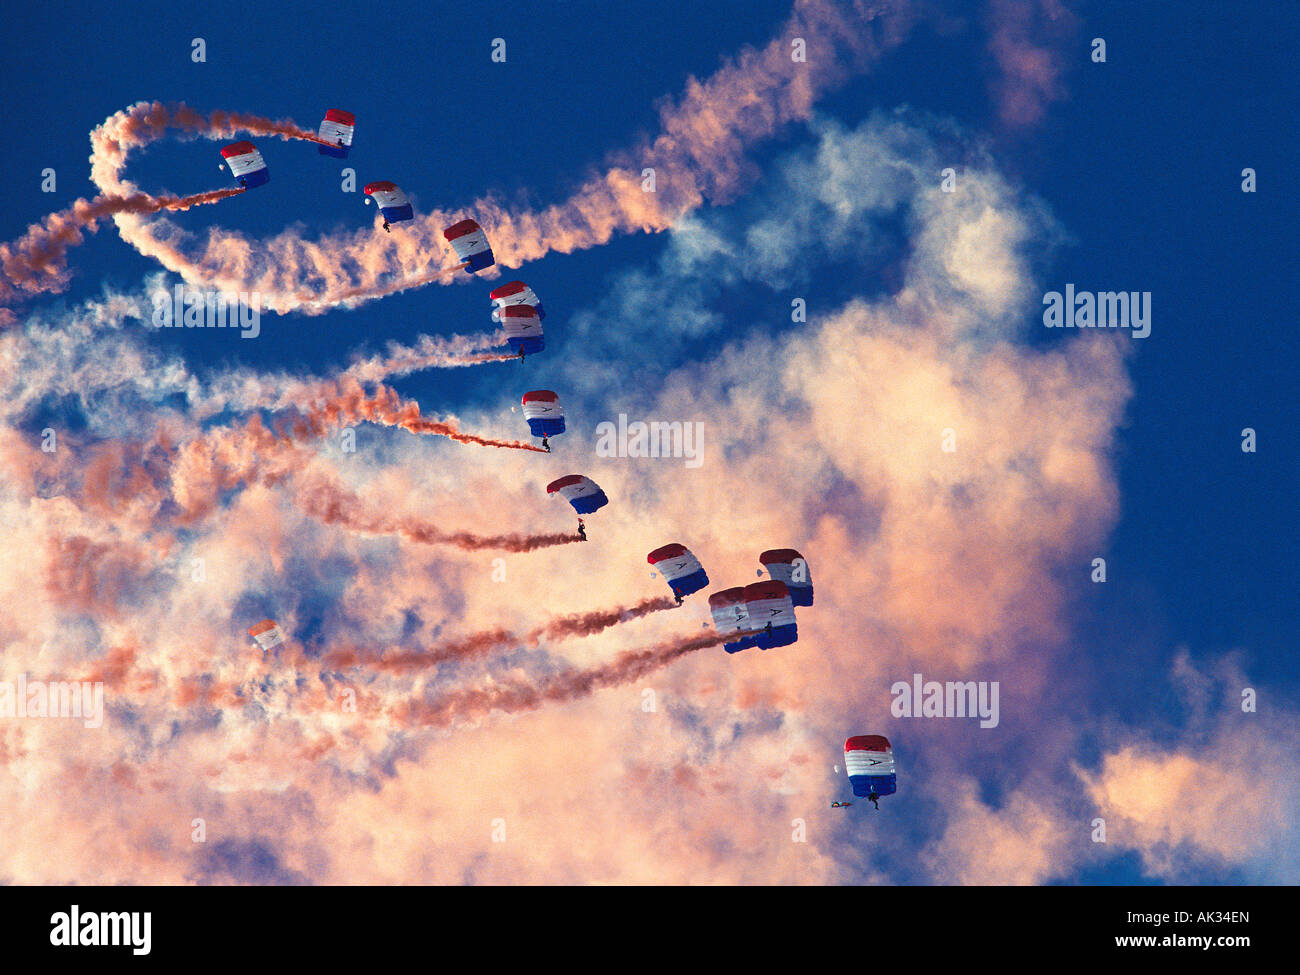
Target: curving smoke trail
[514,696]
[37,262]
[697,157]
[480,644]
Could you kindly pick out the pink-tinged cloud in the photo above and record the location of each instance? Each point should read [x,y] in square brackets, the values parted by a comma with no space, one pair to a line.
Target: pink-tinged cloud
[1222,794]
[1029,45]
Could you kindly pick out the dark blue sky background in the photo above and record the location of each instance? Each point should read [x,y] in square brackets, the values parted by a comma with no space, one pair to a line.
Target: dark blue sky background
[1140,164]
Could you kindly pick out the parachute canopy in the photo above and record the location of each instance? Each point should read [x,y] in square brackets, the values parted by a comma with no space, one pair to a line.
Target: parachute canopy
[582,492]
[544,413]
[681,569]
[246,164]
[267,634]
[784,565]
[337,130]
[470,244]
[392,202]
[523,329]
[869,760]
[731,616]
[515,293]
[769,602]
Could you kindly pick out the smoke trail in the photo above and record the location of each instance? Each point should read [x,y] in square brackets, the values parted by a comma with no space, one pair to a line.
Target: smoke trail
[480,644]
[350,404]
[332,505]
[512,697]
[37,261]
[697,157]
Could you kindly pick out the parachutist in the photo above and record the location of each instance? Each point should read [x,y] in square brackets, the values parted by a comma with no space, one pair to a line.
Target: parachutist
[582,530]
[521,355]
[546,444]
[875,800]
[678,598]
[386,230]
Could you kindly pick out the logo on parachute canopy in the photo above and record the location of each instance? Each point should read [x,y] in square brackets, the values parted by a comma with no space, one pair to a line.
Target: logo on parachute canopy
[580,491]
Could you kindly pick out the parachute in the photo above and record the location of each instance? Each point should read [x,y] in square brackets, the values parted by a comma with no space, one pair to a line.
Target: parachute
[267,634]
[392,202]
[246,164]
[544,413]
[769,603]
[337,130]
[523,329]
[681,569]
[514,293]
[582,492]
[470,244]
[869,760]
[783,565]
[731,616]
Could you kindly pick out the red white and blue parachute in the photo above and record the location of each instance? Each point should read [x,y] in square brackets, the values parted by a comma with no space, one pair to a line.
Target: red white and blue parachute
[523,329]
[246,164]
[788,566]
[681,569]
[731,616]
[515,293]
[337,131]
[470,244]
[582,492]
[869,760]
[769,602]
[392,202]
[267,634]
[544,413]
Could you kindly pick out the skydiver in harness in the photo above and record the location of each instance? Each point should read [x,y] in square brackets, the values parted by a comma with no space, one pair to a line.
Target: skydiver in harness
[386,230]
[582,530]
[677,596]
[521,353]
[546,444]
[875,799]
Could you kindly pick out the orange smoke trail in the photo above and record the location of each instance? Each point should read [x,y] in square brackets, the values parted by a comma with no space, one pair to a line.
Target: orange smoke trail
[332,505]
[37,261]
[698,157]
[514,696]
[386,407]
[480,644]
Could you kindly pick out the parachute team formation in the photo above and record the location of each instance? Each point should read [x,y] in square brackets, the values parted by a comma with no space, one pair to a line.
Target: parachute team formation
[759,615]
